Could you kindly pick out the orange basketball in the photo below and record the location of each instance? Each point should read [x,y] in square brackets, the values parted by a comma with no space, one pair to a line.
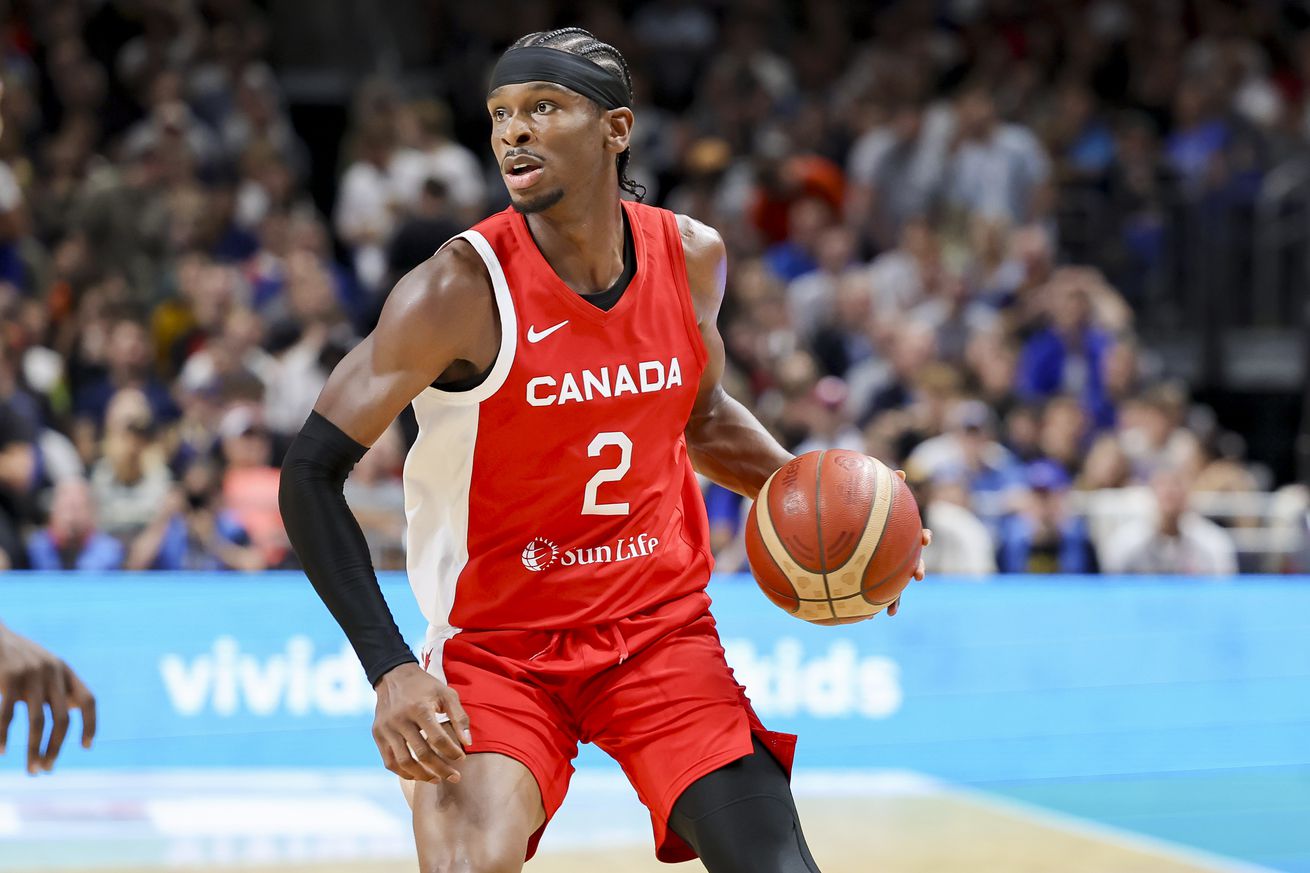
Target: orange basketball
[834,537]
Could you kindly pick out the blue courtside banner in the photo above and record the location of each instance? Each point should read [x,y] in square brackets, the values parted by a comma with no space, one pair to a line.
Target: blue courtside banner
[1009,679]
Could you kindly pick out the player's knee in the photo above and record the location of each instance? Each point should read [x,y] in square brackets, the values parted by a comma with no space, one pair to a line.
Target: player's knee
[464,857]
[753,835]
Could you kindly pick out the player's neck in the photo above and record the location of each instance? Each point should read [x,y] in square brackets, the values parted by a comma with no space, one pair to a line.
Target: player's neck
[581,237]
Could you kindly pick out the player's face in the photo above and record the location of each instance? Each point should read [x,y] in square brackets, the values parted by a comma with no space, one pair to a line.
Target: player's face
[547,139]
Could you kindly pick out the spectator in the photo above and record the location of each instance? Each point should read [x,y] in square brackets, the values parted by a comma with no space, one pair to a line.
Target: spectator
[1043,537]
[192,530]
[428,152]
[427,228]
[1177,541]
[902,276]
[896,169]
[961,544]
[845,339]
[250,484]
[1064,432]
[1152,435]
[953,315]
[726,511]
[967,453]
[798,252]
[131,479]
[1106,466]
[17,473]
[365,212]
[996,170]
[71,540]
[812,296]
[152,177]
[127,365]
[377,499]
[911,350]
[830,426]
[1068,355]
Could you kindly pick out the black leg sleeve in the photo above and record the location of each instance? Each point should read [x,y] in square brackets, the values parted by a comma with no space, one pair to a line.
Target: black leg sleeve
[331,547]
[741,819]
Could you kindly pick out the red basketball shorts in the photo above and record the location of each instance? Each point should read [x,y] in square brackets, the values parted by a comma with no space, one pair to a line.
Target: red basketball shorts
[653,691]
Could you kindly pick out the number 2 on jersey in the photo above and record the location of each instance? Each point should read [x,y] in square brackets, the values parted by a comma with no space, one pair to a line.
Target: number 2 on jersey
[611,474]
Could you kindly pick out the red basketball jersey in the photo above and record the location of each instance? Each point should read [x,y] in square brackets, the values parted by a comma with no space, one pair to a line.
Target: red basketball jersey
[559,493]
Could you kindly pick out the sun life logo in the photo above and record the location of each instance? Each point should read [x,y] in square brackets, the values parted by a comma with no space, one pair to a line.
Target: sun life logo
[539,554]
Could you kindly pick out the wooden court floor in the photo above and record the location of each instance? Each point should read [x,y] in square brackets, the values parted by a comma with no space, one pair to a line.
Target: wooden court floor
[908,834]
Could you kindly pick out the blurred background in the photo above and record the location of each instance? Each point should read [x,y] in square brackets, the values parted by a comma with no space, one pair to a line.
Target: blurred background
[1052,258]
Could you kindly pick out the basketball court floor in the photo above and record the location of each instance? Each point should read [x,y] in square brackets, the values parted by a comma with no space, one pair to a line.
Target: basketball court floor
[316,822]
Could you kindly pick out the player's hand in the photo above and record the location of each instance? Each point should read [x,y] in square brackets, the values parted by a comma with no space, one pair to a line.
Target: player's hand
[918,571]
[35,676]
[420,727]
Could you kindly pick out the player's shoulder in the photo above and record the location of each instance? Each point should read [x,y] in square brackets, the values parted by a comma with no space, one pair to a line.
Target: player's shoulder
[443,290]
[706,257]
[699,240]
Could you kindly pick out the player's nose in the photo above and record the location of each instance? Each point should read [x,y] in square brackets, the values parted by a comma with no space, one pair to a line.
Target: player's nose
[517,131]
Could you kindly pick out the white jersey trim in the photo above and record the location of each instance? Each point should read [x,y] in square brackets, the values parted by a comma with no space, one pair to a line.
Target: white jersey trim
[509,328]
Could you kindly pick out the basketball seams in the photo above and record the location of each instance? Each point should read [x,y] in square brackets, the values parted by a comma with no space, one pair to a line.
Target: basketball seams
[764,522]
[886,518]
[849,578]
[779,554]
[914,554]
[818,525]
[864,525]
[826,595]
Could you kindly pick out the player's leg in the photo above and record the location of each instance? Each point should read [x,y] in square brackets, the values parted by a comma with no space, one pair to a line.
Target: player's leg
[741,817]
[483,823]
[518,766]
[676,720]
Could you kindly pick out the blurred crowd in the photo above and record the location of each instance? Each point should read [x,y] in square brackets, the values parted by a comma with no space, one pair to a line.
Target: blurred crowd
[902,281]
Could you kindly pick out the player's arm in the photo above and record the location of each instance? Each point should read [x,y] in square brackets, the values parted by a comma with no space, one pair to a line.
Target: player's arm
[726,442]
[40,679]
[434,317]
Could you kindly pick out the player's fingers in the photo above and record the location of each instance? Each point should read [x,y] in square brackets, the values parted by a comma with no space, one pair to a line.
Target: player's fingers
[439,735]
[901,473]
[435,768]
[83,699]
[895,607]
[6,716]
[36,697]
[459,719]
[919,571]
[927,538]
[396,757]
[58,722]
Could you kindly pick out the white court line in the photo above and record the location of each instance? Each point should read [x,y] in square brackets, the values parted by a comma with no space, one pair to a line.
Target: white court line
[272,815]
[1106,832]
[8,819]
[346,802]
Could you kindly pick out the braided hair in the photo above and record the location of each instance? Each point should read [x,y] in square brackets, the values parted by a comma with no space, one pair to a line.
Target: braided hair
[582,43]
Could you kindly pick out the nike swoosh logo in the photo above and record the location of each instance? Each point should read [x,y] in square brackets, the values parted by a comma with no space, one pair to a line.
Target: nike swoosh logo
[536,336]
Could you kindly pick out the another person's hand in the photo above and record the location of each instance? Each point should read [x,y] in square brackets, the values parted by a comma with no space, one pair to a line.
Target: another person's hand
[419,725]
[35,676]
[918,571]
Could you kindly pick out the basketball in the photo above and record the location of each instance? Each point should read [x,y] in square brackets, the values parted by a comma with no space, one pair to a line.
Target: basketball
[834,537]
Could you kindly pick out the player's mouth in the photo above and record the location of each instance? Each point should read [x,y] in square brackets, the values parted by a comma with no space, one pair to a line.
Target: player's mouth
[522,171]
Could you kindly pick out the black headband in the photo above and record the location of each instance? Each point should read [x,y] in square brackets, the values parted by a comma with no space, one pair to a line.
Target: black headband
[537,63]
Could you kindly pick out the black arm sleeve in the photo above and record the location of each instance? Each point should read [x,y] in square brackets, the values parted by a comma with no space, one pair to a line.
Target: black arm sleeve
[331,547]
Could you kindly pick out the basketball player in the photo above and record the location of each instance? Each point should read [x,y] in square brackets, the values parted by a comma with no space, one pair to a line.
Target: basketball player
[41,680]
[563,362]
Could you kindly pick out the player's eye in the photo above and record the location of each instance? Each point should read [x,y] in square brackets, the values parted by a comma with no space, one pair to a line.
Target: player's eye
[543,107]
[498,114]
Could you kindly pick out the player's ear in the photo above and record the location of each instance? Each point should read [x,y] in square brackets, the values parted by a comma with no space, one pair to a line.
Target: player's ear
[618,129]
